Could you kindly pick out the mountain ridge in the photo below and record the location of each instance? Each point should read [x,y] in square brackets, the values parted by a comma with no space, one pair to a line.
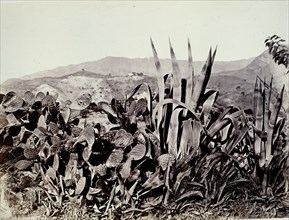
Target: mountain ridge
[123,66]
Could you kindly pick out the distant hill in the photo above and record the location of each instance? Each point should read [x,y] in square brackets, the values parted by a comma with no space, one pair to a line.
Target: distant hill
[234,79]
[119,66]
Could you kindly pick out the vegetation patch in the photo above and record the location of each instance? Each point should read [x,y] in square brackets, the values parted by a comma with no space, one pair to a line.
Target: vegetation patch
[172,152]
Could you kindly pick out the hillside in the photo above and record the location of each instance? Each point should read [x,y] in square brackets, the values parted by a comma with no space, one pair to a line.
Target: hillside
[234,79]
[122,66]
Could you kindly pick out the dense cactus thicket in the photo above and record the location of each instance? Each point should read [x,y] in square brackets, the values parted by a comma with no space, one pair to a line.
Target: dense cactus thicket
[168,150]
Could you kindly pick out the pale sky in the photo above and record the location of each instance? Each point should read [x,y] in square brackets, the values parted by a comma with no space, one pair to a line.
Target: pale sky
[39,35]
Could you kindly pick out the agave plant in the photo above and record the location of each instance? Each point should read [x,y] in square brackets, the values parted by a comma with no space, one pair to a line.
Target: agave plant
[270,145]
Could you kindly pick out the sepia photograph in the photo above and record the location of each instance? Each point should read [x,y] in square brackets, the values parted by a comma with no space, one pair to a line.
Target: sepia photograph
[144,109]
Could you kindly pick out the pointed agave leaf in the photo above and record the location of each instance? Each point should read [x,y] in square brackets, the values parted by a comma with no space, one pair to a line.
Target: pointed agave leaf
[80,186]
[114,158]
[176,76]
[166,160]
[202,80]
[173,132]
[190,194]
[189,77]
[23,164]
[82,102]
[161,85]
[272,124]
[138,152]
[186,140]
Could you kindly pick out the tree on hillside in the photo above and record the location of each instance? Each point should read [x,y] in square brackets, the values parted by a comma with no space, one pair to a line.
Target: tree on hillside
[279,50]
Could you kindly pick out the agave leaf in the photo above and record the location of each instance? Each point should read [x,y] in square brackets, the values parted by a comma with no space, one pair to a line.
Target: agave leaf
[190,194]
[189,76]
[173,132]
[176,76]
[209,99]
[237,139]
[202,81]
[186,138]
[138,152]
[130,192]
[153,181]
[173,101]
[166,160]
[80,186]
[161,85]
[272,123]
[180,176]
[82,102]
[114,158]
